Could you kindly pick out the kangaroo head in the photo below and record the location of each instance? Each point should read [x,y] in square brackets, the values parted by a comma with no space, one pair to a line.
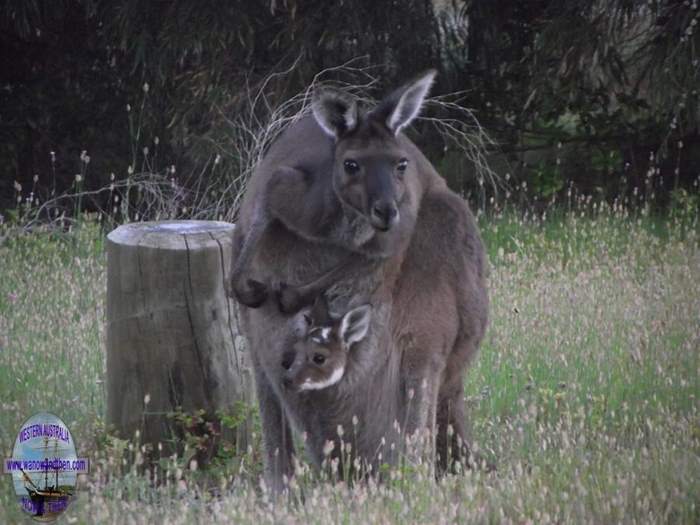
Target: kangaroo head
[373,168]
[319,354]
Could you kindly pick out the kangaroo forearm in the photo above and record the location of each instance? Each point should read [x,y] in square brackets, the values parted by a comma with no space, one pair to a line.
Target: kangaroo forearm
[284,190]
[245,256]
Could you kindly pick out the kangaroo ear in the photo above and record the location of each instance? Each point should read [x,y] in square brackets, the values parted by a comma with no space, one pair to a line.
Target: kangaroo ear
[335,112]
[399,109]
[355,325]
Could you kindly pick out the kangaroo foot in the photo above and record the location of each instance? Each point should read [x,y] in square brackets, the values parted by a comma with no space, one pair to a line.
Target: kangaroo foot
[253,294]
[472,460]
[478,461]
[290,299]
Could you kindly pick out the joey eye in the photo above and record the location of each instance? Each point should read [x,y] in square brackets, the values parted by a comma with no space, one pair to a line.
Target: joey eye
[351,167]
[319,359]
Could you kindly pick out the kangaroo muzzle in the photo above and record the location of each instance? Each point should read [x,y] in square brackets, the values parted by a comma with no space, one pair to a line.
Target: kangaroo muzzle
[384,215]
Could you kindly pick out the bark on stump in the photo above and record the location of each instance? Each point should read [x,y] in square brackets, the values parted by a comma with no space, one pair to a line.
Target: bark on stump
[173,343]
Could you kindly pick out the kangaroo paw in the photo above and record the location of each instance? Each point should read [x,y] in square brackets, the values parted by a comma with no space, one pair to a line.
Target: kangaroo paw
[289,298]
[253,294]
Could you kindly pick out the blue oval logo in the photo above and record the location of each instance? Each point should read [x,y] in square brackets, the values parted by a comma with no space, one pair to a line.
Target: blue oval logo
[45,466]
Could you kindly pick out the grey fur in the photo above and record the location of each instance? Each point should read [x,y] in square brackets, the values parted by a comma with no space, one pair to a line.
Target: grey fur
[425,278]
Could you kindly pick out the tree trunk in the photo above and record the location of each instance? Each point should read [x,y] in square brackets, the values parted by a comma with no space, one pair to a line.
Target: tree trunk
[173,345]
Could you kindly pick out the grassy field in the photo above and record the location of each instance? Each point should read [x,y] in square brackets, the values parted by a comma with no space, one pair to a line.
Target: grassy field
[586,393]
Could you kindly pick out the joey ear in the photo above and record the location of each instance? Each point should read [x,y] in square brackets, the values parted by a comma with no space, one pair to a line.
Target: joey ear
[399,109]
[336,112]
[302,323]
[355,325]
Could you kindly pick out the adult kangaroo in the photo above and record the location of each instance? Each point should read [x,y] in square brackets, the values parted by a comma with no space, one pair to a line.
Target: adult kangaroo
[339,178]
[345,204]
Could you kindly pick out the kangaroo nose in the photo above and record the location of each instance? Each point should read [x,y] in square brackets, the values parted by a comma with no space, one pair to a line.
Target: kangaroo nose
[384,215]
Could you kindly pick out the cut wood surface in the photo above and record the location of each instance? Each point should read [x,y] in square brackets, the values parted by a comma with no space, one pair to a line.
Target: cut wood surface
[173,343]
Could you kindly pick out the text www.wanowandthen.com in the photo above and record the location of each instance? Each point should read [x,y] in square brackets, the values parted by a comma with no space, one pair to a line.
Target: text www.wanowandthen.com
[77,465]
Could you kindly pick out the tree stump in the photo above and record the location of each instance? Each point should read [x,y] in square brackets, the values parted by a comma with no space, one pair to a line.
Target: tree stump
[173,345]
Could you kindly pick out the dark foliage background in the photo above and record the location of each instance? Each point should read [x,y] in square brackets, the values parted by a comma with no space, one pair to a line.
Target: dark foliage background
[600,94]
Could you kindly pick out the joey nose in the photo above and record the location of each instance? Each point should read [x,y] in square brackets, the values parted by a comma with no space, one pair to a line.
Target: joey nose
[384,215]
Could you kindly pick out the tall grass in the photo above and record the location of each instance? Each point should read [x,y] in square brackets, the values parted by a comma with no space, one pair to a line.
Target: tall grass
[585,393]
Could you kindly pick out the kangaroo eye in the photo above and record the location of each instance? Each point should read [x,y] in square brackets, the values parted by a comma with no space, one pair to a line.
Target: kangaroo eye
[319,359]
[401,166]
[351,167]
